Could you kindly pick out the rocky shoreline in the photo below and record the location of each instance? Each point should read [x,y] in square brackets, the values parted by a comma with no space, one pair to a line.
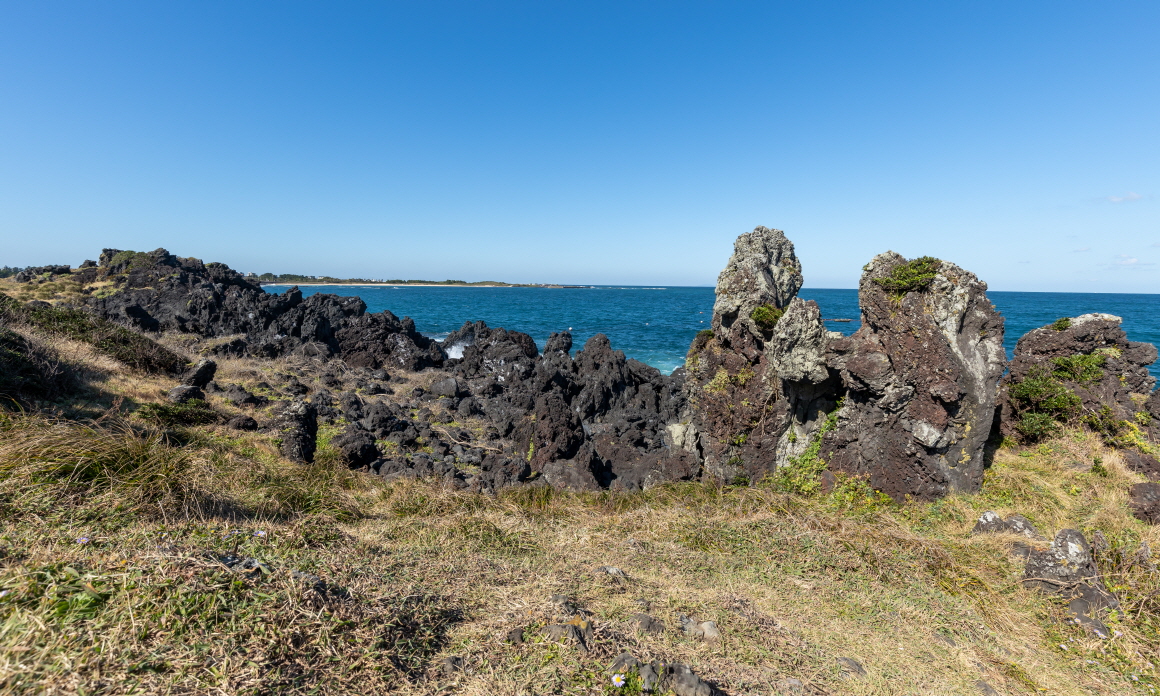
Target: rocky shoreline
[913,404]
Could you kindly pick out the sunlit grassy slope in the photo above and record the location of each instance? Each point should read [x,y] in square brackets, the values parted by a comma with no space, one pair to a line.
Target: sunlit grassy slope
[112,580]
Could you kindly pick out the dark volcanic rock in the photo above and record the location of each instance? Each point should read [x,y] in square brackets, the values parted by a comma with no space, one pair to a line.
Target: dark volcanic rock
[1067,568]
[237,395]
[298,422]
[162,292]
[356,446]
[179,395]
[1144,501]
[1115,385]
[920,383]
[991,523]
[201,374]
[445,387]
[28,274]
[1141,463]
[242,422]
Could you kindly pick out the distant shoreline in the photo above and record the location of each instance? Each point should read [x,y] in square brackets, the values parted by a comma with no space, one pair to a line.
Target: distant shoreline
[424,285]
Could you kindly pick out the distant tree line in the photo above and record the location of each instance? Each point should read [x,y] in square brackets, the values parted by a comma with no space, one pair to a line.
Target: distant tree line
[9,271]
[296,278]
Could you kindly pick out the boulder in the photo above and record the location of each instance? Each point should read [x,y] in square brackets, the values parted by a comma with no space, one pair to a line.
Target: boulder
[1077,370]
[1067,568]
[182,394]
[242,422]
[1144,502]
[238,396]
[298,423]
[1141,463]
[919,380]
[201,374]
[357,448]
[991,523]
[448,387]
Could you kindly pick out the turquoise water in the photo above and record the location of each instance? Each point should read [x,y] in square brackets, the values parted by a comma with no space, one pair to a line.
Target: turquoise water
[655,325]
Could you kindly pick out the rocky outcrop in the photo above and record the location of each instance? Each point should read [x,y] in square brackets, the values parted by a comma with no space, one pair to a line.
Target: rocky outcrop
[1144,501]
[596,421]
[28,274]
[1067,568]
[757,383]
[917,382]
[1079,370]
[158,291]
[297,421]
[919,379]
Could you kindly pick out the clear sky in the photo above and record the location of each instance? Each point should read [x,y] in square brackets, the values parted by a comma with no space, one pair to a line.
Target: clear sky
[587,142]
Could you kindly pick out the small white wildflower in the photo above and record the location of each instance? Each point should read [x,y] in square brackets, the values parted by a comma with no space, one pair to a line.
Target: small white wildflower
[260,533]
[4,593]
[618,680]
[1063,645]
[82,540]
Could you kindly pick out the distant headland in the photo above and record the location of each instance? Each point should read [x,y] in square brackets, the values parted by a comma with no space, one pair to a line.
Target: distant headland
[295,279]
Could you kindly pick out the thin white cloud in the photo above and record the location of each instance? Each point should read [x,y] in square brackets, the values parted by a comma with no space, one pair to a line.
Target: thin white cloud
[1125,262]
[1080,251]
[1129,197]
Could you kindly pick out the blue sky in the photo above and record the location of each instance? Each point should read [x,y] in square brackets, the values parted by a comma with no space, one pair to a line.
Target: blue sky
[587,142]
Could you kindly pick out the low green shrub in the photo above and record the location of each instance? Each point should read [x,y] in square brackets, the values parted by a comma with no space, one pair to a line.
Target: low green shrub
[1080,368]
[766,316]
[802,475]
[912,276]
[1061,324]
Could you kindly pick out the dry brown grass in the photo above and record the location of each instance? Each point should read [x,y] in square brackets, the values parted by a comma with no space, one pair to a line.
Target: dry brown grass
[425,572]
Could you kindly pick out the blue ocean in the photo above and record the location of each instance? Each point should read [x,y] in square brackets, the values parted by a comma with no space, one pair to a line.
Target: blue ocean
[656,324]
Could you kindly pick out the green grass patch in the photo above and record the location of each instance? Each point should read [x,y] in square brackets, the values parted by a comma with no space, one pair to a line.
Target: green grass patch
[192,412]
[133,349]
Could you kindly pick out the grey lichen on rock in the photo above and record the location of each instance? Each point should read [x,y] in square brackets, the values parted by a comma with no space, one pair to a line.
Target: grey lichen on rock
[762,271]
[920,380]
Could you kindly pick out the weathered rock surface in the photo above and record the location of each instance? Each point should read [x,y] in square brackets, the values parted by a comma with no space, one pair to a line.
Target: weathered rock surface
[356,446]
[158,291]
[182,394]
[992,523]
[1144,501]
[1141,463]
[757,384]
[297,421]
[919,381]
[28,274]
[596,421]
[201,374]
[1068,568]
[1112,384]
